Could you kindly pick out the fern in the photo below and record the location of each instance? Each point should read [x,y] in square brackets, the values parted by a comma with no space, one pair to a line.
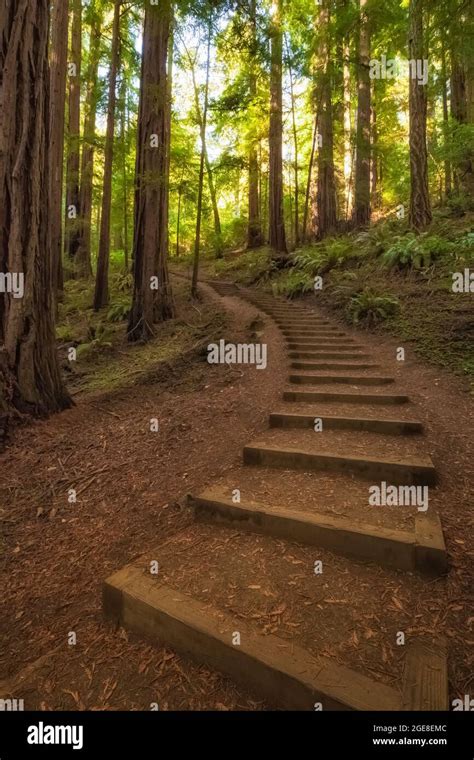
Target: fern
[412,252]
[370,308]
[118,313]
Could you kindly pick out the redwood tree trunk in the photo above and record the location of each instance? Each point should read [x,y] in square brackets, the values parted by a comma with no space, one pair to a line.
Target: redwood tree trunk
[444,92]
[297,237]
[326,188]
[203,122]
[348,189]
[254,232]
[276,219]
[101,296]
[74,135]
[30,378]
[83,266]
[362,166]
[462,89]
[420,208]
[152,186]
[59,39]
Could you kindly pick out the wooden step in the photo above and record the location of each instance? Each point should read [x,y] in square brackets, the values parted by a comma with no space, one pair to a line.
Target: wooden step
[331,422]
[313,334]
[387,547]
[347,379]
[403,471]
[425,678]
[345,398]
[327,355]
[319,345]
[302,321]
[281,672]
[333,365]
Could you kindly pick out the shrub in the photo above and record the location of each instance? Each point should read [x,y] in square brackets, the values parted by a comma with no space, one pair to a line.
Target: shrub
[291,283]
[321,258]
[118,312]
[371,308]
[415,252]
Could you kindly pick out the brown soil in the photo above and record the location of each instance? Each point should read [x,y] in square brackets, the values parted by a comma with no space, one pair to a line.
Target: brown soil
[130,483]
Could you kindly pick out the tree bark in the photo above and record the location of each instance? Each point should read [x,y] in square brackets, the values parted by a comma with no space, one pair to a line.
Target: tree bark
[71,227]
[462,90]
[58,72]
[348,153]
[30,378]
[123,145]
[420,208]
[83,264]
[326,187]
[306,226]
[152,185]
[276,218]
[203,121]
[101,296]
[297,236]
[444,85]
[254,232]
[362,167]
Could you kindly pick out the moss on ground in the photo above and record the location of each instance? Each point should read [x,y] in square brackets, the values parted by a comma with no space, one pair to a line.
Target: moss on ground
[106,362]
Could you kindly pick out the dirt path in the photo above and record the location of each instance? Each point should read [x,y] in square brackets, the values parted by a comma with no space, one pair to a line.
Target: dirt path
[130,485]
[351,613]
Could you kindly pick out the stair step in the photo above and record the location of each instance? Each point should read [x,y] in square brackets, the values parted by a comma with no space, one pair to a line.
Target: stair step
[330,422]
[349,379]
[409,471]
[313,334]
[425,678]
[351,398]
[327,355]
[333,365]
[319,345]
[302,321]
[279,670]
[385,546]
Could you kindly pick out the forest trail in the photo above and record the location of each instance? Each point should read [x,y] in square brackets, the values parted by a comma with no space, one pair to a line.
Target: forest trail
[253,562]
[280,583]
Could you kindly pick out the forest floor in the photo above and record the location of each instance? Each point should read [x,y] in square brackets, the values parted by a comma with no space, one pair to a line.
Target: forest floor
[432,320]
[131,484]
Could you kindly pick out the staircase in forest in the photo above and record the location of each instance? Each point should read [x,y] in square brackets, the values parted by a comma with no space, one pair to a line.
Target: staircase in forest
[292,527]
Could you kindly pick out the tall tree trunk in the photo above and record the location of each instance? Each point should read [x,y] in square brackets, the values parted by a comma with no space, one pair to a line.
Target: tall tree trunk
[306,225]
[362,167]
[462,90]
[152,186]
[178,220]
[254,231]
[276,218]
[219,249]
[420,208]
[83,264]
[297,236]
[59,40]
[444,86]
[72,222]
[123,142]
[326,188]
[30,378]
[101,296]
[203,123]
[348,153]
[374,157]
